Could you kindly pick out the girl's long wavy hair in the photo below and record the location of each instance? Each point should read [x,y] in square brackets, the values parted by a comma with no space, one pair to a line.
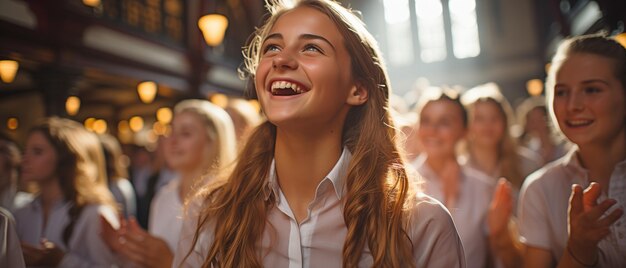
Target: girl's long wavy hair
[79,168]
[378,189]
[507,147]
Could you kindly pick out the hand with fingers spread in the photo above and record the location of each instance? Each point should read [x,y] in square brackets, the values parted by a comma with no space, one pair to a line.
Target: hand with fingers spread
[586,224]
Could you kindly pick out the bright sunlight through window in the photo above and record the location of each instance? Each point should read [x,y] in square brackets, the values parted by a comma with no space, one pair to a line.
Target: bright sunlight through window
[432,38]
[399,38]
[465,42]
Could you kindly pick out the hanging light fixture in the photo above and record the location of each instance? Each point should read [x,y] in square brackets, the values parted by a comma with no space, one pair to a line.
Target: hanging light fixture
[164,115]
[147,91]
[213,27]
[13,123]
[8,69]
[136,123]
[91,3]
[534,87]
[72,105]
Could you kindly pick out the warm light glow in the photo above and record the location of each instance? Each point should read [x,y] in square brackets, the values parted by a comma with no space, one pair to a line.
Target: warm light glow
[89,123]
[123,132]
[534,87]
[159,128]
[219,99]
[72,105]
[621,38]
[164,115]
[213,27]
[122,126]
[8,69]
[136,123]
[255,104]
[12,123]
[100,126]
[91,3]
[147,91]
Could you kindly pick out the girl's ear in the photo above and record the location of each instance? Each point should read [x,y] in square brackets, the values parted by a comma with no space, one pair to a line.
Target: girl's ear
[358,95]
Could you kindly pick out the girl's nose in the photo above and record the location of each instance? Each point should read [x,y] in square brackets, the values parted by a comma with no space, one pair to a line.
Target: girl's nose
[284,60]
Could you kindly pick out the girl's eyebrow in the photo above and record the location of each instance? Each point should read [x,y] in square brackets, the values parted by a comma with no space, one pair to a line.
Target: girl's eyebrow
[302,36]
[589,81]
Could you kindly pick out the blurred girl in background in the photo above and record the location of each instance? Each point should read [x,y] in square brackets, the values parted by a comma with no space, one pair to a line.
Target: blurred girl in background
[61,225]
[202,143]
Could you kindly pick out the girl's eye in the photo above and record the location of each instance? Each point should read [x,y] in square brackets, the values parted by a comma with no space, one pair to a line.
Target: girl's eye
[591,90]
[270,47]
[312,48]
[560,92]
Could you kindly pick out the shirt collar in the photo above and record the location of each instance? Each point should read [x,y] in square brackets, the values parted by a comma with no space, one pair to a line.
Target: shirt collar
[336,176]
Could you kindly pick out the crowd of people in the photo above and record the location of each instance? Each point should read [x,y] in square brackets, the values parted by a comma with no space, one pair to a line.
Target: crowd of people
[330,175]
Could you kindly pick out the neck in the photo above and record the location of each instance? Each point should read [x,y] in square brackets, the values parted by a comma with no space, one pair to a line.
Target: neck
[50,193]
[187,180]
[439,165]
[600,160]
[485,158]
[302,162]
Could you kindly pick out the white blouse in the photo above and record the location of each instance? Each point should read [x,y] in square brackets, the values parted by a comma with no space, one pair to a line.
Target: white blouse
[318,240]
[470,211]
[166,214]
[85,248]
[543,208]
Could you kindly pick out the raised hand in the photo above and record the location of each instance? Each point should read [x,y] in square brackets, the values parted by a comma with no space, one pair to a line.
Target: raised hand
[586,226]
[500,208]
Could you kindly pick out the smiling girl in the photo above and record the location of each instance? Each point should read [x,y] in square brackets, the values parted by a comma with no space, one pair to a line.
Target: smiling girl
[321,184]
[562,224]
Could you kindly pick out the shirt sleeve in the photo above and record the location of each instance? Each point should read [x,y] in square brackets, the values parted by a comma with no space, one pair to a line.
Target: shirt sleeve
[436,242]
[533,215]
[11,252]
[87,248]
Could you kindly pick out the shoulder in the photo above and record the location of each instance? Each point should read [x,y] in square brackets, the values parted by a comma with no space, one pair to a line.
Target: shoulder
[167,192]
[551,173]
[426,215]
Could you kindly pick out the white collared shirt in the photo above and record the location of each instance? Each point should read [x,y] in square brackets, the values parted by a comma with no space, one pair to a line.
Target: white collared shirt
[85,247]
[318,240]
[166,214]
[543,208]
[470,209]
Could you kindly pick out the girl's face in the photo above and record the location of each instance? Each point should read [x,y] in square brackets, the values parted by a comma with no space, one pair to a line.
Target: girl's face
[589,100]
[304,72]
[487,126]
[440,128]
[188,147]
[39,160]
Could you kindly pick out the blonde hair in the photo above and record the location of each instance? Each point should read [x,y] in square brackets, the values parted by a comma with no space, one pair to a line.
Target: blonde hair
[219,129]
[378,188]
[80,166]
[507,147]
